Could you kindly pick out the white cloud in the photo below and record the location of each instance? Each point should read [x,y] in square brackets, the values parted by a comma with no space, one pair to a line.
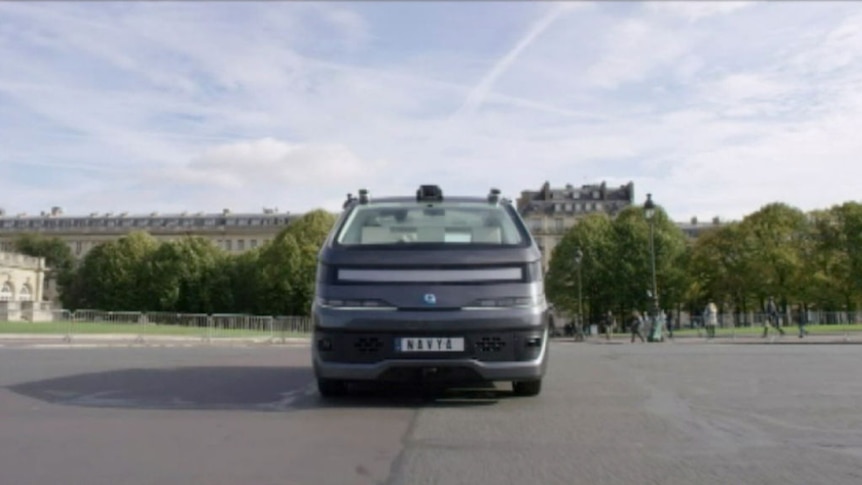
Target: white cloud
[714,108]
[746,87]
[634,49]
[696,10]
[836,49]
[269,162]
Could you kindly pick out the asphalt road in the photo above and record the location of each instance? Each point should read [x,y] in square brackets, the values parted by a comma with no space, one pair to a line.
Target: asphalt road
[609,414]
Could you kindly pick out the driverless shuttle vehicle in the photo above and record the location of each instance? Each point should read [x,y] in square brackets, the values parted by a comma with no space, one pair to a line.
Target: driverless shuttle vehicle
[429,288]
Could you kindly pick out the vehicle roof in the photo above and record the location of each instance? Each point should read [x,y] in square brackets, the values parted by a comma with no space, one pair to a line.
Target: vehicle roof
[482,200]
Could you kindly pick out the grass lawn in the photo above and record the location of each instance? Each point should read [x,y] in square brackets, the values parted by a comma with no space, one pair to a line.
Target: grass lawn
[95,328]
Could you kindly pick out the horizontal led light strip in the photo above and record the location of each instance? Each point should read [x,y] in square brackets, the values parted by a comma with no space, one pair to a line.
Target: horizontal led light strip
[430,275]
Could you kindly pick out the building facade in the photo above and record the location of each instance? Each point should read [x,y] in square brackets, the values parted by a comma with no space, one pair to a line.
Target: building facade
[22,282]
[235,233]
[551,212]
[694,228]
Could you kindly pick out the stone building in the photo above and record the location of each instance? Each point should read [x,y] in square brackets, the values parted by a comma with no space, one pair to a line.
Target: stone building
[694,228]
[22,282]
[550,212]
[233,232]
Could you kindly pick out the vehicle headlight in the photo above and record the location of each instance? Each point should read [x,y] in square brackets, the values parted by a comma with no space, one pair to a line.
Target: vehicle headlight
[353,303]
[509,302]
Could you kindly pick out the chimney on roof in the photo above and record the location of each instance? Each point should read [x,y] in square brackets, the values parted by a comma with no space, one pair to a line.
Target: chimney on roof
[546,191]
[694,221]
[225,212]
[56,211]
[716,220]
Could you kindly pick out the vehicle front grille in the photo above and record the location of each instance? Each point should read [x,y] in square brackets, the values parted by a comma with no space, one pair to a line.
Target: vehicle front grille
[368,345]
[490,344]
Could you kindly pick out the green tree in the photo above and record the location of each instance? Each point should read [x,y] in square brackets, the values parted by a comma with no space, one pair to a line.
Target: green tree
[836,263]
[288,265]
[186,275]
[633,259]
[773,238]
[717,269]
[58,257]
[593,236]
[112,275]
[244,281]
[616,272]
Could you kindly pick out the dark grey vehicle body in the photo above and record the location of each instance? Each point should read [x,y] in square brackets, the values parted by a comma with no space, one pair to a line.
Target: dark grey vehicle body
[489,298]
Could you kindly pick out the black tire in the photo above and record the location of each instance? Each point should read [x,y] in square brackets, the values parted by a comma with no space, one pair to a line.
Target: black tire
[527,388]
[331,387]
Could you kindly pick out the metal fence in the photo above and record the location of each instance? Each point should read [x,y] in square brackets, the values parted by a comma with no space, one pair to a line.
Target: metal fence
[138,326]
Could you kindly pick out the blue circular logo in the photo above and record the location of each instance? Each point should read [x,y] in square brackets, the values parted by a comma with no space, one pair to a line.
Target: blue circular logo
[430,299]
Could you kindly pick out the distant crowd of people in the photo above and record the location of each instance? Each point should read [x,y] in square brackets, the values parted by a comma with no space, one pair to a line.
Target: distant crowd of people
[639,324]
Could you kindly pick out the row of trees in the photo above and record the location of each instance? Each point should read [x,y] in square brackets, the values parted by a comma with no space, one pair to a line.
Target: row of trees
[809,259]
[190,275]
[812,259]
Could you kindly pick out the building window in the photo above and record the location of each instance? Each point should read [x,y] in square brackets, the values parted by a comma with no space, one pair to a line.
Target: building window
[240,245]
[558,224]
[253,243]
[77,247]
[7,292]
[535,225]
[228,245]
[26,293]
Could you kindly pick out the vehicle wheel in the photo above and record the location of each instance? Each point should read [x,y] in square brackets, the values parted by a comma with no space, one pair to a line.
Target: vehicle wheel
[331,387]
[527,388]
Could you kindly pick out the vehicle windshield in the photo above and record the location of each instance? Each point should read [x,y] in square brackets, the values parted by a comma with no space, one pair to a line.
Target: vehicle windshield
[456,223]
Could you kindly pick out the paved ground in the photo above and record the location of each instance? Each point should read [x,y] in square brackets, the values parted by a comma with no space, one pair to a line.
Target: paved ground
[611,413]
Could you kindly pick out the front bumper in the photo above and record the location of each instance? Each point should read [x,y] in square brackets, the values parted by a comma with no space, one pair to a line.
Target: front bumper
[499,345]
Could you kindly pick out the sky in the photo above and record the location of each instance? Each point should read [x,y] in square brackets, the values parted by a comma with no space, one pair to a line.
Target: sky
[716,109]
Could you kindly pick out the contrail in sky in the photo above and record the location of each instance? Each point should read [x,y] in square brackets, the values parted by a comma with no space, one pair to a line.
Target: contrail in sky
[480,91]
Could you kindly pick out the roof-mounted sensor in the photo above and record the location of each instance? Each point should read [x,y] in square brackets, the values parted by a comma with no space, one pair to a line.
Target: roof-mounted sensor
[349,201]
[429,193]
[494,196]
[363,196]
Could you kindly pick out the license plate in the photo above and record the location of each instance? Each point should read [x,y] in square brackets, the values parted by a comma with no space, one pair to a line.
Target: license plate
[429,344]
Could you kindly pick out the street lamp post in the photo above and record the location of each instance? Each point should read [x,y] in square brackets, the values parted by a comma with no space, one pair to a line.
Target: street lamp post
[649,212]
[579,256]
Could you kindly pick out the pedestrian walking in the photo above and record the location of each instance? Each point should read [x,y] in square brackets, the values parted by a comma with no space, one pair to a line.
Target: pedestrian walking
[710,319]
[578,329]
[669,320]
[800,317]
[552,324]
[637,326]
[773,319]
[610,323]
